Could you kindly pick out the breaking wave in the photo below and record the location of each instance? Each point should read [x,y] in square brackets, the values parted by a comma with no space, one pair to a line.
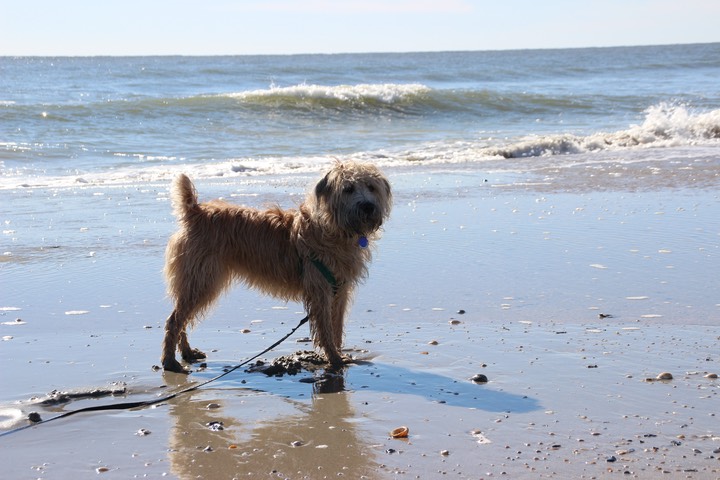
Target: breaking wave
[665,125]
[335,96]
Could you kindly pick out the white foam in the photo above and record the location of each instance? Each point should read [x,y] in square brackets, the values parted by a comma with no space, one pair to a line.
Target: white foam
[385,93]
[664,126]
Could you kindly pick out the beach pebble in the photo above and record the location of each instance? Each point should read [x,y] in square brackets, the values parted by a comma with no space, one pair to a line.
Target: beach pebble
[297,443]
[665,376]
[455,322]
[444,453]
[433,342]
[211,406]
[215,426]
[479,378]
[102,469]
[461,312]
[611,459]
[142,432]
[34,417]
[245,330]
[711,375]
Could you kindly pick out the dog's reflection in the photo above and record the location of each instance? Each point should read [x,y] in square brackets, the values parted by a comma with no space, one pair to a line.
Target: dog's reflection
[222,434]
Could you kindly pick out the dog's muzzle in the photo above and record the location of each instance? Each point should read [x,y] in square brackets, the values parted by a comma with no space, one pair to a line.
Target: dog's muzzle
[367,218]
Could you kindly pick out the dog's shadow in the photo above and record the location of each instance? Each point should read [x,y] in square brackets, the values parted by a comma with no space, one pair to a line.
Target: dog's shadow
[379,377]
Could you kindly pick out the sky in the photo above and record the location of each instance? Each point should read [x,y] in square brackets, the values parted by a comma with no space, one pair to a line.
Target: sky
[238,27]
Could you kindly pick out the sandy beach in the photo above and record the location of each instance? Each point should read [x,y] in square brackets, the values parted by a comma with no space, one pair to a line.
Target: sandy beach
[570,296]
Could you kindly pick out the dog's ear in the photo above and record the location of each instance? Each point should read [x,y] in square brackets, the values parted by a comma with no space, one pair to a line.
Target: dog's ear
[322,189]
[387,186]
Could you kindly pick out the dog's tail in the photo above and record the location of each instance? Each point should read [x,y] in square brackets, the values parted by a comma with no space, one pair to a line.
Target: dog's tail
[183,196]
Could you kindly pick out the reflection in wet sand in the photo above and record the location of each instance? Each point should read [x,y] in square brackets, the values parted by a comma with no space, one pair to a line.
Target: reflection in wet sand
[290,428]
[268,435]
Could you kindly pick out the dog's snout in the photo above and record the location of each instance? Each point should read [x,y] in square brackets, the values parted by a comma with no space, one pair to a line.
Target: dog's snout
[368,208]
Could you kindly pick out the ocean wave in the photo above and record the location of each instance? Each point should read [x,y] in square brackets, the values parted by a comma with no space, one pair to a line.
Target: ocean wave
[358,99]
[411,98]
[664,125]
[361,95]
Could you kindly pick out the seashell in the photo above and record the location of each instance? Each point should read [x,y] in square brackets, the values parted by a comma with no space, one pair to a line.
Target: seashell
[400,432]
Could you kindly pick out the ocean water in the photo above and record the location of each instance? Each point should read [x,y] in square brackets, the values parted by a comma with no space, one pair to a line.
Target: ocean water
[123,121]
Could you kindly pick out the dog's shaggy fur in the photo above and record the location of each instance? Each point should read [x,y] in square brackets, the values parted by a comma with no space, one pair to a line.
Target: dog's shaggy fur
[314,254]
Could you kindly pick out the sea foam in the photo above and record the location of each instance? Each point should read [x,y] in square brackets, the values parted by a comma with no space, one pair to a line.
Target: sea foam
[387,93]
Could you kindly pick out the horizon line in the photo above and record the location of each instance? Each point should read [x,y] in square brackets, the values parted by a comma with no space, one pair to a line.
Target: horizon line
[379,52]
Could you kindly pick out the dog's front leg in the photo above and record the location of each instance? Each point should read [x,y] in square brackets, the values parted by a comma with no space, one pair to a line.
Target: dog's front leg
[339,310]
[319,306]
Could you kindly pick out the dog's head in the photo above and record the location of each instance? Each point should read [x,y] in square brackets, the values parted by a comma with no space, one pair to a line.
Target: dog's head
[356,197]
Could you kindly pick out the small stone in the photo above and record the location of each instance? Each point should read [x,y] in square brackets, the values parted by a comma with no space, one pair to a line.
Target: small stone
[479,378]
[102,469]
[215,426]
[142,432]
[34,417]
[433,342]
[665,376]
[711,375]
[461,312]
[245,330]
[455,322]
[444,453]
[611,459]
[211,406]
[297,443]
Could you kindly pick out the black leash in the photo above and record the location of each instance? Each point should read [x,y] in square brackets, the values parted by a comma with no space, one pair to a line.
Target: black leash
[147,403]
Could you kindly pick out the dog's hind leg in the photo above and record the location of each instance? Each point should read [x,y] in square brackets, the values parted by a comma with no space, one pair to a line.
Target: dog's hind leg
[194,292]
[188,353]
[173,326]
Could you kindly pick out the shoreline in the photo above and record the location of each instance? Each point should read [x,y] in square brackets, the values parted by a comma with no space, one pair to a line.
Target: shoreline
[532,270]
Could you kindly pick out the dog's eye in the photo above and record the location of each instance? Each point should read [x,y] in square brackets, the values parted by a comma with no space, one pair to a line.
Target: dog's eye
[371,188]
[349,189]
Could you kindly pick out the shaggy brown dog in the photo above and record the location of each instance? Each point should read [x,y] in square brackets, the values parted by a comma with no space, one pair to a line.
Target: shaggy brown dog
[315,254]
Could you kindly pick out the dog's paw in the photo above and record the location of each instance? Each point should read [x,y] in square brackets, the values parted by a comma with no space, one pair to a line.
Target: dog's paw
[175,366]
[193,355]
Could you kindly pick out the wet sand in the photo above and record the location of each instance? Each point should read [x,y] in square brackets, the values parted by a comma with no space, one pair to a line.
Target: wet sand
[567,301]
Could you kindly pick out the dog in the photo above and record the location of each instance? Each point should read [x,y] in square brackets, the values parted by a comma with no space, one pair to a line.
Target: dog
[315,254]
